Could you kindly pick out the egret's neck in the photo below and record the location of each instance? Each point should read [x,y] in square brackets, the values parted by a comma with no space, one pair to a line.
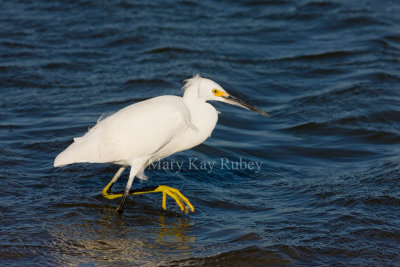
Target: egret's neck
[192,100]
[202,114]
[191,95]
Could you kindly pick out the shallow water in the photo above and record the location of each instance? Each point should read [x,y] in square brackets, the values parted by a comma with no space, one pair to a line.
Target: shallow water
[327,192]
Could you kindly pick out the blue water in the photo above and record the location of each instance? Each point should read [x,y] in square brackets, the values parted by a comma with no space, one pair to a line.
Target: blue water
[327,192]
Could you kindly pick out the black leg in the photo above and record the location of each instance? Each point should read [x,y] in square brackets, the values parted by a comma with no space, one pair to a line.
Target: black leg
[126,193]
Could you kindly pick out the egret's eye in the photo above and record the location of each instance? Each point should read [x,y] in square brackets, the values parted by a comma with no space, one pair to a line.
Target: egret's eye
[215,91]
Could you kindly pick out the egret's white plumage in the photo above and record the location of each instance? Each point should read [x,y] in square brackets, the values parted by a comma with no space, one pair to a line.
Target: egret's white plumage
[150,130]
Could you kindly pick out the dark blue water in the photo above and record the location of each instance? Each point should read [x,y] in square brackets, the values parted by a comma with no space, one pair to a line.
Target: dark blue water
[328,190]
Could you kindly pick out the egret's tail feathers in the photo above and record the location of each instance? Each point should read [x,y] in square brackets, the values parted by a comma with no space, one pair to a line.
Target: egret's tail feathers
[83,149]
[58,162]
[64,158]
[67,157]
[78,152]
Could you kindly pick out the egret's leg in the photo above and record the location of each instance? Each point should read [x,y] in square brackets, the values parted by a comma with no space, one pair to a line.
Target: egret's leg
[126,193]
[106,191]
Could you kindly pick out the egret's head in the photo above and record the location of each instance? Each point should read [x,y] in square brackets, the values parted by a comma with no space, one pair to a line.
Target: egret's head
[209,90]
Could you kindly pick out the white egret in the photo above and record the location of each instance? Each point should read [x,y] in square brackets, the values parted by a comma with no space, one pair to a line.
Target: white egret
[150,130]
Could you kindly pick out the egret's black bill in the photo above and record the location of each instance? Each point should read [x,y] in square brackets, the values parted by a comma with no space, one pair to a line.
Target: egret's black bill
[239,102]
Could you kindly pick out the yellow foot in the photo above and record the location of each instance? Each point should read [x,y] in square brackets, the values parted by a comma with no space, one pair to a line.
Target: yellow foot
[180,199]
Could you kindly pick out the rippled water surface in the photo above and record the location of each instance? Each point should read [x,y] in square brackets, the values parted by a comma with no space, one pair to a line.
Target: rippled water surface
[327,192]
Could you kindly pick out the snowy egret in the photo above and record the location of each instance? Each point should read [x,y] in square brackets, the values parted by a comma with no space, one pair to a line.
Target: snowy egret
[148,131]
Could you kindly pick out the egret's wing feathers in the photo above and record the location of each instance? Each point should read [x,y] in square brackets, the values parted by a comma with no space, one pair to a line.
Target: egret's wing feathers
[138,130]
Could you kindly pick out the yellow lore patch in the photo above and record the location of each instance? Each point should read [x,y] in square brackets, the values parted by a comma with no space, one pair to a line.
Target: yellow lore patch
[217,92]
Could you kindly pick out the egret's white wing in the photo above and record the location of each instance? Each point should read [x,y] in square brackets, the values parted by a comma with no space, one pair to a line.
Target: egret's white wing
[136,131]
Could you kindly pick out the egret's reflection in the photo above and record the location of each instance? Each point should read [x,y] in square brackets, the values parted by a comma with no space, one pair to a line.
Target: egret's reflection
[175,232]
[141,238]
